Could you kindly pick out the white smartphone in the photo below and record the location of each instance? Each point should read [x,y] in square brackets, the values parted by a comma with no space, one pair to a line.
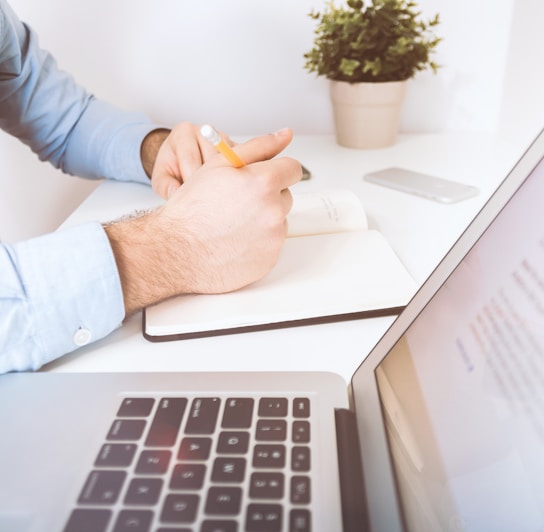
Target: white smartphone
[427,186]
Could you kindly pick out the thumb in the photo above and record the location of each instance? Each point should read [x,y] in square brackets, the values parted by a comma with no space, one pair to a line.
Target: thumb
[264,147]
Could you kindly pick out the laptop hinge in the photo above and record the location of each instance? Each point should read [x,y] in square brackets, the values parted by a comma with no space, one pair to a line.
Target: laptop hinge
[353,495]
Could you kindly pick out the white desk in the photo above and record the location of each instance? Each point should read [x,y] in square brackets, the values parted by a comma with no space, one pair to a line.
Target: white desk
[420,231]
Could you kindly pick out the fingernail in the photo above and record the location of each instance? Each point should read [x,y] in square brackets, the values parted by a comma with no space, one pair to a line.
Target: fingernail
[170,191]
[282,132]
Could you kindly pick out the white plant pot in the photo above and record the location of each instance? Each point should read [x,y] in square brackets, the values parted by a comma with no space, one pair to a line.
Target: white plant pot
[367,115]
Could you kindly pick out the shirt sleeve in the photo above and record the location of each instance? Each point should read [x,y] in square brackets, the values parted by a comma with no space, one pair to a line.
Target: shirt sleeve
[62,290]
[57,292]
[61,122]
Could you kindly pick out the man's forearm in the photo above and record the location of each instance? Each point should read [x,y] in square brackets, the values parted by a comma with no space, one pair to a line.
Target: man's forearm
[149,259]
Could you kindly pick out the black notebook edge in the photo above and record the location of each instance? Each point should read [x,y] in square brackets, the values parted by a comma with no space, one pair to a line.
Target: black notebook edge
[315,320]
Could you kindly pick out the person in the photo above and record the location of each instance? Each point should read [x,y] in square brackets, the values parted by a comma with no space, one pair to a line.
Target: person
[219,228]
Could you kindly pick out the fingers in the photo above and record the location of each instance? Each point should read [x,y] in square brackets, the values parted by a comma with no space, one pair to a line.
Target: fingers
[180,156]
[165,185]
[164,182]
[287,201]
[260,148]
[184,152]
[189,149]
[264,147]
[282,172]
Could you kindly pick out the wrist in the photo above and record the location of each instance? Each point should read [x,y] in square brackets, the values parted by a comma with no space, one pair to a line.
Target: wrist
[136,246]
[150,148]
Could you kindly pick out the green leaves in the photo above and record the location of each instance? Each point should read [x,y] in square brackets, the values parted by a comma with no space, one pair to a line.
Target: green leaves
[348,66]
[384,41]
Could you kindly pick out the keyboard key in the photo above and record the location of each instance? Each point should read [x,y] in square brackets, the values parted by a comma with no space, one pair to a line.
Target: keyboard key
[136,407]
[102,487]
[238,413]
[301,431]
[188,477]
[133,521]
[228,470]
[273,407]
[264,518]
[300,490]
[192,448]
[223,500]
[300,520]
[269,456]
[203,415]
[153,462]
[143,491]
[88,520]
[300,458]
[115,455]
[126,429]
[177,529]
[271,430]
[166,422]
[301,407]
[266,486]
[218,526]
[233,442]
[179,508]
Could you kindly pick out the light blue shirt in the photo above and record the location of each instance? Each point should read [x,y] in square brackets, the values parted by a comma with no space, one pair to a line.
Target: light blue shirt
[62,290]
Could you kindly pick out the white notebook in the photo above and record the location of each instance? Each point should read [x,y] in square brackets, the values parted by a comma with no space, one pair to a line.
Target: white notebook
[331,268]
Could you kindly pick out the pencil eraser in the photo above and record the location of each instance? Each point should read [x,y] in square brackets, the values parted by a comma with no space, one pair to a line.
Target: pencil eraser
[210,134]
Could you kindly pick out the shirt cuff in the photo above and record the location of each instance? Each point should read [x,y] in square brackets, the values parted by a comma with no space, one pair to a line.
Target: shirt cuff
[69,294]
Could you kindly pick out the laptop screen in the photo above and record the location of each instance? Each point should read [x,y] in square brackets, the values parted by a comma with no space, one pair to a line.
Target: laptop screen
[462,391]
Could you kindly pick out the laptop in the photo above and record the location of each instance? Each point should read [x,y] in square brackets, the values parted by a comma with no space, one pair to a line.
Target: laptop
[440,428]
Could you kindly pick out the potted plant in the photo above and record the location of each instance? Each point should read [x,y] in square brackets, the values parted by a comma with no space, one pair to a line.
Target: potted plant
[368,51]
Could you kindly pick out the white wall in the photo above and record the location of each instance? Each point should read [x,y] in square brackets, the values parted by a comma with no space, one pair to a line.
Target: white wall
[239,65]
[522,110]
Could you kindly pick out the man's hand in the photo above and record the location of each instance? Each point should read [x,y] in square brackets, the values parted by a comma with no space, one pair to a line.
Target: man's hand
[223,229]
[177,156]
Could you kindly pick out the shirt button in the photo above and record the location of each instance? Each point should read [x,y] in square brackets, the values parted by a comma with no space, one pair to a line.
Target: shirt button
[82,337]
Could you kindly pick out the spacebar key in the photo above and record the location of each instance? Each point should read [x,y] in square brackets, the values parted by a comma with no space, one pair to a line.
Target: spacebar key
[165,425]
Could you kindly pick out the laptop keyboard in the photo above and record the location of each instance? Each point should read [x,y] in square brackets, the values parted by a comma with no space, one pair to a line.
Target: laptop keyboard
[205,464]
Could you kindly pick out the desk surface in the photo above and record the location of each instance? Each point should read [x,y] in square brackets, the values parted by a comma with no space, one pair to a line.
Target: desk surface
[420,231]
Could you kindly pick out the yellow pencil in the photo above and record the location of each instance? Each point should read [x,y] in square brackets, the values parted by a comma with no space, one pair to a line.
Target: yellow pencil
[210,134]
